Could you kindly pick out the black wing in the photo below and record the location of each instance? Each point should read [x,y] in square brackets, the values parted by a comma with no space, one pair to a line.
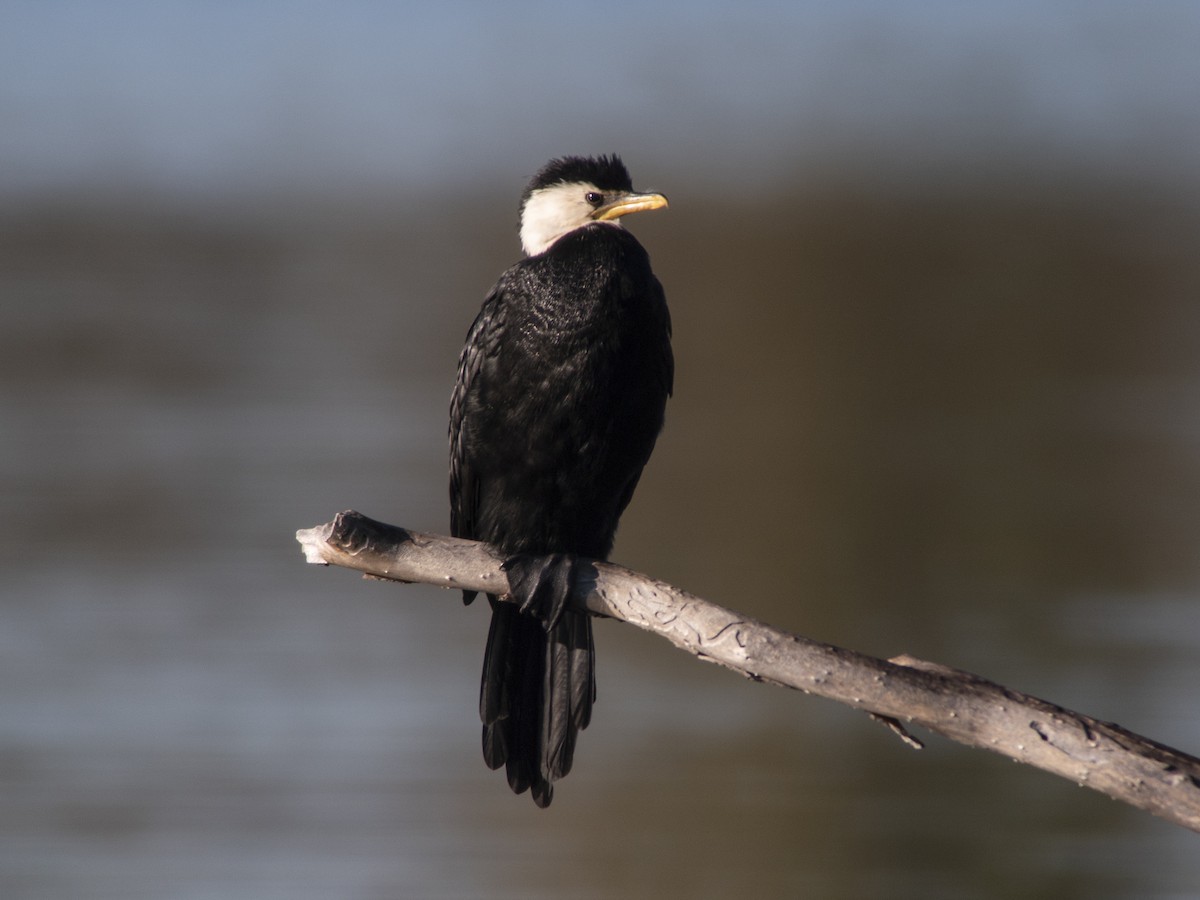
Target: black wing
[480,348]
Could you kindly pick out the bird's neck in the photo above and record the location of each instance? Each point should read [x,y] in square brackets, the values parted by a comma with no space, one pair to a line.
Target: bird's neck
[541,232]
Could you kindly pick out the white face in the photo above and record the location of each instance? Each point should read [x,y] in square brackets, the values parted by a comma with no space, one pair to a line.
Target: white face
[551,212]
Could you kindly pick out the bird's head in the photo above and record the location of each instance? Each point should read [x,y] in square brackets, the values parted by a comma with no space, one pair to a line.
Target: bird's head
[576,191]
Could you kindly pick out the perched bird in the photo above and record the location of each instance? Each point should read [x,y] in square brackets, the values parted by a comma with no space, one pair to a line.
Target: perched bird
[560,396]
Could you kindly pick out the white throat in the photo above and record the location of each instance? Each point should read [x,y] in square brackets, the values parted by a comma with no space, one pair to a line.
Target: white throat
[554,211]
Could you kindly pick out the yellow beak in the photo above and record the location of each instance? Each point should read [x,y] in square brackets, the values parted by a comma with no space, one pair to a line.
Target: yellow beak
[629,203]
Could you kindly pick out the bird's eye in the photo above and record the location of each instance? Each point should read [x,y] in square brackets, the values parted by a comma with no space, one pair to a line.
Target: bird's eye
[594,198]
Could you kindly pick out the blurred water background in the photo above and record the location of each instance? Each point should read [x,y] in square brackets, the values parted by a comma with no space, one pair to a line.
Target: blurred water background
[934,277]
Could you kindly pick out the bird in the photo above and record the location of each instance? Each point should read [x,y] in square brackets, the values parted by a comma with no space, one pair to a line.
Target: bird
[560,396]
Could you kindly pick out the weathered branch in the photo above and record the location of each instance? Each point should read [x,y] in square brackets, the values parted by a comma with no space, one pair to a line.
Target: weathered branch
[950,702]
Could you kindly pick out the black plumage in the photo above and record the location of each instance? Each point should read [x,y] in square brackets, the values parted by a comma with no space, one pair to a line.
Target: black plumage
[561,390]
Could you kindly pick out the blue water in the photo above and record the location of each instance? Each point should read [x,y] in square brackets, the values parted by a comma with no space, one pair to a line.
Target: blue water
[324,97]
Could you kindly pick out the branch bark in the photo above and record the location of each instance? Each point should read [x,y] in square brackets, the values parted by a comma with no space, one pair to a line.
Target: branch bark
[955,704]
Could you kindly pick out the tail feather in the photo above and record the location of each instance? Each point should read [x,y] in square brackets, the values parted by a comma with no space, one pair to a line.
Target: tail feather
[536,694]
[494,702]
[570,685]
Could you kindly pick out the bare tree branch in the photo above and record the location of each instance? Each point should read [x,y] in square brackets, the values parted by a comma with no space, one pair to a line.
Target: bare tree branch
[956,704]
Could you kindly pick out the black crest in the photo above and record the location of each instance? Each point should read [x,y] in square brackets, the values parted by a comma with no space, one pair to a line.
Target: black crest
[606,172]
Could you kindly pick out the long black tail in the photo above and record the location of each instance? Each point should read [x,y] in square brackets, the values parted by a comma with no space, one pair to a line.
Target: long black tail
[537,691]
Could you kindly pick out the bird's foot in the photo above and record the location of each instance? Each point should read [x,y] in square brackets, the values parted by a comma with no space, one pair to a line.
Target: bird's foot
[542,585]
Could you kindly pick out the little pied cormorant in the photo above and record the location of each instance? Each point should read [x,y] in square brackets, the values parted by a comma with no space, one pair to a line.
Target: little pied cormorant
[561,390]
